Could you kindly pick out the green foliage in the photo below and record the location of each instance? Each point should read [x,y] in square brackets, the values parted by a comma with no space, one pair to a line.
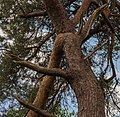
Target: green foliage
[16,113]
[22,38]
[62,112]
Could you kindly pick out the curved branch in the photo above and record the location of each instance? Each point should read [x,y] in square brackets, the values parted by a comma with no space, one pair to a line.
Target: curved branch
[104,16]
[91,20]
[96,30]
[110,51]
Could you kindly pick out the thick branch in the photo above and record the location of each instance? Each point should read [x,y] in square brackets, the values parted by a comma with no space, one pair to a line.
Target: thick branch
[96,30]
[40,13]
[92,18]
[47,71]
[32,107]
[48,81]
[81,11]
[35,67]
[58,15]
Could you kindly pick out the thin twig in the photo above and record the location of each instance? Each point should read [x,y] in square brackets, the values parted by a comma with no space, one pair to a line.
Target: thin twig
[19,4]
[104,16]
[40,44]
[111,60]
[33,14]
[56,92]
[95,49]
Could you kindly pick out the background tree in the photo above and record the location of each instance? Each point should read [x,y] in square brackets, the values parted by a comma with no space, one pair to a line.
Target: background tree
[69,37]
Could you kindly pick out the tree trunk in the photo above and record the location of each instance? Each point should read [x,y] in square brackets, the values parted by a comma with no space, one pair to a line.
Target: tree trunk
[87,89]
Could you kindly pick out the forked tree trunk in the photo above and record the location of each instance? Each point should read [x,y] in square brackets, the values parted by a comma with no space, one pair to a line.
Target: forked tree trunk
[87,89]
[89,94]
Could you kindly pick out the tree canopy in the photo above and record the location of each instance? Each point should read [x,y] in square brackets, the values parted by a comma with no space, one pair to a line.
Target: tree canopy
[29,35]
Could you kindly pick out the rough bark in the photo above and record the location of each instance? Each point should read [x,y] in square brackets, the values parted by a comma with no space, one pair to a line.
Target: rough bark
[87,89]
[62,23]
[89,94]
[59,16]
[81,11]
[47,82]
